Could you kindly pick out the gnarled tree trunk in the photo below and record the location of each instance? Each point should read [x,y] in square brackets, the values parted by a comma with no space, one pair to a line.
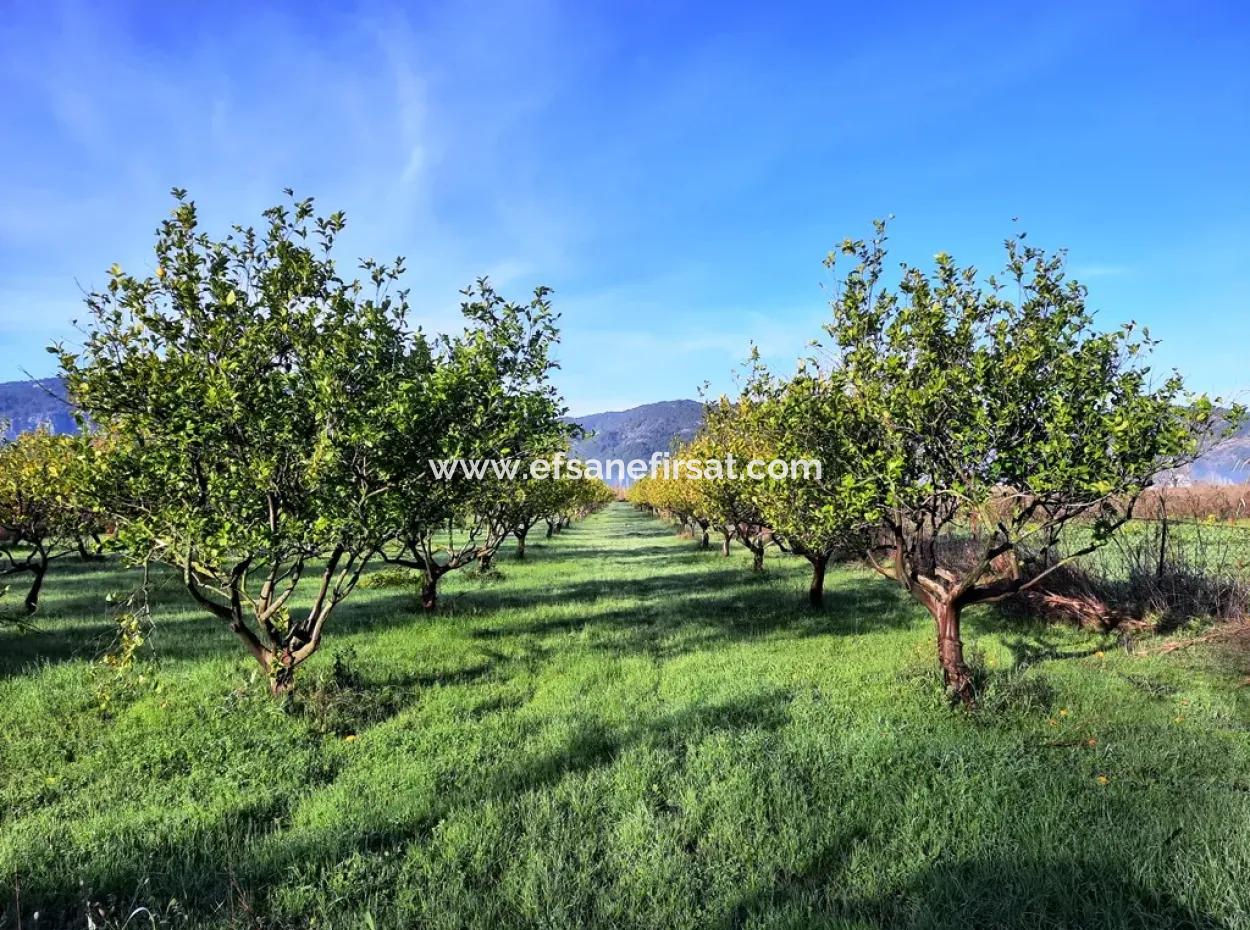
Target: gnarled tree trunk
[816,593]
[283,680]
[88,555]
[40,570]
[521,533]
[429,592]
[955,672]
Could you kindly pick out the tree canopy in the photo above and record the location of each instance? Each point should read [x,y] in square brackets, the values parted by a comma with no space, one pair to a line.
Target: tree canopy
[45,505]
[272,420]
[988,418]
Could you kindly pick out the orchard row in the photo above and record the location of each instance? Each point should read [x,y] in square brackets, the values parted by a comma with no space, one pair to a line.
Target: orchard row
[263,422]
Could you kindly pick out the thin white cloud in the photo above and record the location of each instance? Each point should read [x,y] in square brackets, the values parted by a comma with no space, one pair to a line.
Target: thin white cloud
[406,125]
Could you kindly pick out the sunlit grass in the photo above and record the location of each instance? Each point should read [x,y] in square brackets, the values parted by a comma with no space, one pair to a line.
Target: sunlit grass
[621,731]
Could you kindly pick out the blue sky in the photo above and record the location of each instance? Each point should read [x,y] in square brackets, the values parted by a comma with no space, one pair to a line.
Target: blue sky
[676,171]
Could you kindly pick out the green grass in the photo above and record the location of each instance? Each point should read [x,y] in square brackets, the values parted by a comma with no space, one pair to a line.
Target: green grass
[622,731]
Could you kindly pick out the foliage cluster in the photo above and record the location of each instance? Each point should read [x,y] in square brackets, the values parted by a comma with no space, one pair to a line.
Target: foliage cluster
[967,428]
[270,422]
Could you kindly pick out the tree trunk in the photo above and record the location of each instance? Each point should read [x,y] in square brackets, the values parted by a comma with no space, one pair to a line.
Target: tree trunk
[757,558]
[484,562]
[429,593]
[549,530]
[816,593]
[282,681]
[86,555]
[520,543]
[724,546]
[955,673]
[40,569]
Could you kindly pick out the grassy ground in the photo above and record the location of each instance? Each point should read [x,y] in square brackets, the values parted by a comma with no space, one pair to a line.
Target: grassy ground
[622,731]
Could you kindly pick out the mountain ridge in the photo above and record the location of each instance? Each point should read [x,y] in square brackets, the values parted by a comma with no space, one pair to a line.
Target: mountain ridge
[637,432]
[633,433]
[26,405]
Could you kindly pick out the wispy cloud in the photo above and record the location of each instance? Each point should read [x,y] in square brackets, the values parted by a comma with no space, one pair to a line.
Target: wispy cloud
[676,185]
[370,114]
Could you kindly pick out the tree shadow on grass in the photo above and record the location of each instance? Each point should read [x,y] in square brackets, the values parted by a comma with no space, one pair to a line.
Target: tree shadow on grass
[22,650]
[977,893]
[188,637]
[183,638]
[1027,651]
[593,745]
[618,554]
[660,587]
[206,866]
[729,607]
[76,622]
[1031,641]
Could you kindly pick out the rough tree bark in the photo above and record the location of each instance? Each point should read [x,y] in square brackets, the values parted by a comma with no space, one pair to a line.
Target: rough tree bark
[89,555]
[283,680]
[40,570]
[955,672]
[756,547]
[429,592]
[816,593]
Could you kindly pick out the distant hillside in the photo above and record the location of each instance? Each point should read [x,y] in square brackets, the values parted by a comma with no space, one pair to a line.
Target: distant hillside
[638,432]
[1227,463]
[622,434]
[25,405]
[619,434]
